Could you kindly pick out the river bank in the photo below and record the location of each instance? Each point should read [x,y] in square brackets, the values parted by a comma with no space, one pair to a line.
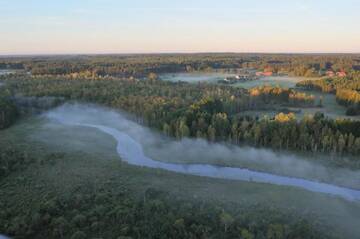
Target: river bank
[131,151]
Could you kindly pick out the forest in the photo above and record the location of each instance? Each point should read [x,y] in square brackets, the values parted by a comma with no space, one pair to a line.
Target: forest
[205,111]
[180,119]
[120,213]
[141,65]
[116,206]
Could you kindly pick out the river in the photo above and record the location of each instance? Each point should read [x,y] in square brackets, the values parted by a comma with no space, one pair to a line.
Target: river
[131,151]
[6,72]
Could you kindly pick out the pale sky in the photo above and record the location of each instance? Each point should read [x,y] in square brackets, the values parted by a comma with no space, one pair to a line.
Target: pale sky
[149,26]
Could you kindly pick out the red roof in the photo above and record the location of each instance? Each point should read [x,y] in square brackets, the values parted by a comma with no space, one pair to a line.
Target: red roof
[341,74]
[269,73]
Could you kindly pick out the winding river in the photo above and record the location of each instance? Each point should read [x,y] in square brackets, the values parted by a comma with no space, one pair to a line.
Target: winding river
[134,140]
[132,152]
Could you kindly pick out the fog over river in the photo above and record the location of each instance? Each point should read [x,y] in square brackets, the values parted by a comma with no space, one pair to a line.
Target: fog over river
[140,146]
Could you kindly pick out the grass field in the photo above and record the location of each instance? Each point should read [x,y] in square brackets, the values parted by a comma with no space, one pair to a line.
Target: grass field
[195,77]
[282,81]
[86,158]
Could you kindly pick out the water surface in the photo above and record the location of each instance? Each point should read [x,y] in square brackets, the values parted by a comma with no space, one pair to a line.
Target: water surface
[131,138]
[132,152]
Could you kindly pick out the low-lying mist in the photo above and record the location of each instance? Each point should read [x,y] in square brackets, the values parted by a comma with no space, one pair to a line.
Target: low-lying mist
[199,151]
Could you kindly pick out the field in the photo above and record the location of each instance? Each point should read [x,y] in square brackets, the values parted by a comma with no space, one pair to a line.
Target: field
[282,81]
[86,157]
[329,105]
[195,77]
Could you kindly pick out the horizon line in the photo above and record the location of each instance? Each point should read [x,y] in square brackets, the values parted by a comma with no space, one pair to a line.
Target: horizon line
[175,53]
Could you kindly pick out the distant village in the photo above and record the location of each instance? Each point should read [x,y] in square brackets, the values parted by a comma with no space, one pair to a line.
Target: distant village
[253,74]
[247,75]
[330,73]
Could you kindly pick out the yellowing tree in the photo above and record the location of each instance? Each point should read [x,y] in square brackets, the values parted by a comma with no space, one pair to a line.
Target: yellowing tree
[285,117]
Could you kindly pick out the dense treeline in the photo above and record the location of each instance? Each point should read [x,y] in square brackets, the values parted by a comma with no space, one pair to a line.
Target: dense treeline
[141,65]
[282,96]
[206,111]
[316,134]
[119,216]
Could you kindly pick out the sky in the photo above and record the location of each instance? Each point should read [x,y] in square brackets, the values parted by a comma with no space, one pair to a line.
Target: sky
[156,26]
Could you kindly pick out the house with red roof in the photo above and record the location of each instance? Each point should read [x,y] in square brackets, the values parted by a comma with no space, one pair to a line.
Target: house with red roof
[341,74]
[266,73]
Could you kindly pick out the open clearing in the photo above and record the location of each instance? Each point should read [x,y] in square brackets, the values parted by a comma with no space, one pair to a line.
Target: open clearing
[195,77]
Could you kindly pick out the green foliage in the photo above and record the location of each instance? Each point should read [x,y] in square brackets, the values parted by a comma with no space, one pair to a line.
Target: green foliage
[226,219]
[8,111]
[12,160]
[284,96]
[159,216]
[179,110]
[205,111]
